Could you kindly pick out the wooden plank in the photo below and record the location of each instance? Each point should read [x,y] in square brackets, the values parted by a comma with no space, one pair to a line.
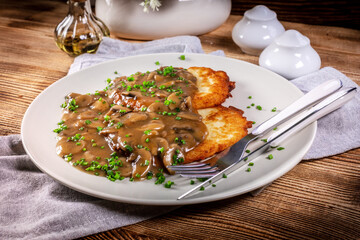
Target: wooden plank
[318,199]
[332,13]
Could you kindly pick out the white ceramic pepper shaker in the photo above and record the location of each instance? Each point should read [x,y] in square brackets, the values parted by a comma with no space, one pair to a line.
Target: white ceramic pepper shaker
[290,55]
[256,30]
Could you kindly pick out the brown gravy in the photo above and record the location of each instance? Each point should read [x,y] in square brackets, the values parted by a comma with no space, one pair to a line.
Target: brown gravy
[135,127]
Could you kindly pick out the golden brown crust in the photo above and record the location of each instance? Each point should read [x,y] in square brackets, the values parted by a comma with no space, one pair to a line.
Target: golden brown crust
[214,87]
[225,127]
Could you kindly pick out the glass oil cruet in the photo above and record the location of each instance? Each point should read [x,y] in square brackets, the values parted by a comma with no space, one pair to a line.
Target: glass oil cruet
[80,31]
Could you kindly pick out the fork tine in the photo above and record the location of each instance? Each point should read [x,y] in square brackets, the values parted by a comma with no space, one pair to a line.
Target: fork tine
[204,175]
[186,168]
[212,170]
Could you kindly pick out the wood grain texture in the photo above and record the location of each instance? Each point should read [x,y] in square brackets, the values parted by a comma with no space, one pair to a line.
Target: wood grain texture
[318,199]
[331,13]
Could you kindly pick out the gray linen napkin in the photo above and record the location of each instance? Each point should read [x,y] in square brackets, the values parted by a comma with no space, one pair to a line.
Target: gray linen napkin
[111,49]
[34,206]
[339,131]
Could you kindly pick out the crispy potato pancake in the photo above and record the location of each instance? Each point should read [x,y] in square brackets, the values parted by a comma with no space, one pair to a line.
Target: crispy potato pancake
[214,87]
[225,127]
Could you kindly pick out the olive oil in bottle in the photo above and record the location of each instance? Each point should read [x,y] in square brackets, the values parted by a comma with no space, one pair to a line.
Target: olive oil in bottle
[80,31]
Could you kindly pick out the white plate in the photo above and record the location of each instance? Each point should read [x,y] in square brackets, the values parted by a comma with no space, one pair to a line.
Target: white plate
[266,88]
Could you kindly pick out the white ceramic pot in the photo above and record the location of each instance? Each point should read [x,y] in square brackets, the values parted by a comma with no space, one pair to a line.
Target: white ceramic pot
[290,55]
[175,17]
[256,30]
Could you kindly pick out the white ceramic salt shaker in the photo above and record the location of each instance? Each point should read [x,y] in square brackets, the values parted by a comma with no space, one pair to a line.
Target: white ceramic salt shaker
[256,30]
[290,55]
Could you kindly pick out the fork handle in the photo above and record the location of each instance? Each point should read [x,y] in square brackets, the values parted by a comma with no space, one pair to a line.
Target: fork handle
[305,101]
[328,105]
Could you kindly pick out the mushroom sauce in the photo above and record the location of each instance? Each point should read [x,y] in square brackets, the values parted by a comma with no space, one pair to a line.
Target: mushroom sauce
[136,127]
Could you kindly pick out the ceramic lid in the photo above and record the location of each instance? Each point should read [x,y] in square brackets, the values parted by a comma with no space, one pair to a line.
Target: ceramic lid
[260,13]
[292,38]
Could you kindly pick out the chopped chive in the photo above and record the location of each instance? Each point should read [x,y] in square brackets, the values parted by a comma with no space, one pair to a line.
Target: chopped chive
[169,184]
[270,156]
[224,175]
[248,170]
[202,188]
[161,149]
[182,57]
[251,164]
[192,182]
[280,148]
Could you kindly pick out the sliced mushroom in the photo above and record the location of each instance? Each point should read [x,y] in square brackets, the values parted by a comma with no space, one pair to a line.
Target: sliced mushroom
[162,145]
[71,131]
[174,101]
[84,100]
[188,102]
[133,117]
[153,125]
[157,107]
[168,158]
[160,95]
[178,128]
[118,108]
[134,95]
[142,164]
[100,106]
[159,77]
[168,84]
[65,147]
[190,116]
[187,140]
[96,124]
[89,157]
[151,76]
[87,115]
[108,130]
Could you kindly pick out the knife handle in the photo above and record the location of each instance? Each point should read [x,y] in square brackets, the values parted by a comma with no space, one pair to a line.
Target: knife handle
[305,101]
[326,106]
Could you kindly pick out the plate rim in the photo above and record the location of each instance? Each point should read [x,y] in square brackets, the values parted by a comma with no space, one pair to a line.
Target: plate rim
[165,202]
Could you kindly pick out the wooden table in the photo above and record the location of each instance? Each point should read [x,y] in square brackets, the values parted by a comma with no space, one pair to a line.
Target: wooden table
[317,199]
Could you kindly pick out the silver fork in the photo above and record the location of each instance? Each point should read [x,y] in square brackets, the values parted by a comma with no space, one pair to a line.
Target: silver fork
[226,164]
